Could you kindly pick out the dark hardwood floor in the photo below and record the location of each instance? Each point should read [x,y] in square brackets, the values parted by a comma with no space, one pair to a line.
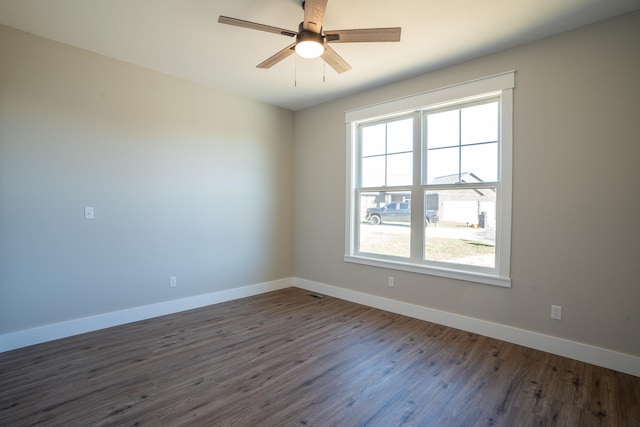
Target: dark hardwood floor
[288,358]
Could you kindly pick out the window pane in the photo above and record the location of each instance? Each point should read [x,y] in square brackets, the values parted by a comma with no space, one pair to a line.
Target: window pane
[373,171]
[442,163]
[400,136]
[399,169]
[443,129]
[480,123]
[465,230]
[385,223]
[481,160]
[373,140]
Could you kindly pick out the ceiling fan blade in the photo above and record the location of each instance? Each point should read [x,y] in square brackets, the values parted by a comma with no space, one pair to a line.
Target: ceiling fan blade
[313,15]
[391,34]
[256,26]
[334,60]
[284,53]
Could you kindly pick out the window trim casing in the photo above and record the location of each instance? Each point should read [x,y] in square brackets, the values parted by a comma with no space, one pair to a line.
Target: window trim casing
[499,85]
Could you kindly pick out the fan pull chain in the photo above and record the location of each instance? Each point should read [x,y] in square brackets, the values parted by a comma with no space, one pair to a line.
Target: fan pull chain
[295,71]
[324,72]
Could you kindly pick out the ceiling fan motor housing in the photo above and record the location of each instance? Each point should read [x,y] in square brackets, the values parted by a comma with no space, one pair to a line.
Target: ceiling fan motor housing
[309,36]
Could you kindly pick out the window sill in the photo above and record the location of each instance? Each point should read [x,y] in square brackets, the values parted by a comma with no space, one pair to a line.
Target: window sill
[468,276]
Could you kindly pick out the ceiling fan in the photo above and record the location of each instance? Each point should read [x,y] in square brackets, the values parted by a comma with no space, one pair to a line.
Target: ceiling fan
[312,41]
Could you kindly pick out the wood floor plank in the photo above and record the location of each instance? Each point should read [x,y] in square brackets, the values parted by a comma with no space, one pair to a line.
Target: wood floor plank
[290,358]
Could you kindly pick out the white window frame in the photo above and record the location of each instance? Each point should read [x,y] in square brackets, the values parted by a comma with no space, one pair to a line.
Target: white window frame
[497,86]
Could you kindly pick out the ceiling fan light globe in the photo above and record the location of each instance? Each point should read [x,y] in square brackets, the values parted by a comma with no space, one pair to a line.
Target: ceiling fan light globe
[309,49]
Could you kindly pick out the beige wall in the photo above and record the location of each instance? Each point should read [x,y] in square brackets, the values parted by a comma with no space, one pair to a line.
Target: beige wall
[576,235]
[186,181]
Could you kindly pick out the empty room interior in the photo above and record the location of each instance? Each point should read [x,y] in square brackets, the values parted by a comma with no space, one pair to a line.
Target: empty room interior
[201,226]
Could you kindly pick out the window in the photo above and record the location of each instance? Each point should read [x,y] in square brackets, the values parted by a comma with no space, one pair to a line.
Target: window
[430,182]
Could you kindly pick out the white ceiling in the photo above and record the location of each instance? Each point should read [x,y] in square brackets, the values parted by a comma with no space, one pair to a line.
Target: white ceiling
[182,37]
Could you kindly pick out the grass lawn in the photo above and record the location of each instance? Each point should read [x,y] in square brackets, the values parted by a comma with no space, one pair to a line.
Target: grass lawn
[396,242]
[443,249]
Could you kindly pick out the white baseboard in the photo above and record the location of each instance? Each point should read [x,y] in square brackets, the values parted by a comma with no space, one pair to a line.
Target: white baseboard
[69,328]
[583,352]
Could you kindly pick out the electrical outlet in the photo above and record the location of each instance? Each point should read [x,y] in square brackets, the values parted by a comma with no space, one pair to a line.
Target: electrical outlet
[556,312]
[89,212]
[392,282]
[173,282]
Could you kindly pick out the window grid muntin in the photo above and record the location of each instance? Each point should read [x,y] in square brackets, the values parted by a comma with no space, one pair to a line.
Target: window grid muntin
[459,107]
[385,155]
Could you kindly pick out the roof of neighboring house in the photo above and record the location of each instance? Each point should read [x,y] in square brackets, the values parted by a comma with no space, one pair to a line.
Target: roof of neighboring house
[464,177]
